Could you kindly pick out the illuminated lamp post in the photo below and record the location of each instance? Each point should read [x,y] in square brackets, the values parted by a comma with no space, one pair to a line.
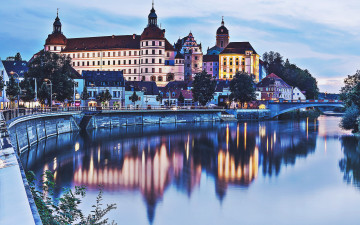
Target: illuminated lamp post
[48,80]
[18,81]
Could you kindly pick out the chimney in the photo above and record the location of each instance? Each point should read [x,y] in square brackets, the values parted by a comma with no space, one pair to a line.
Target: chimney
[134,36]
[113,36]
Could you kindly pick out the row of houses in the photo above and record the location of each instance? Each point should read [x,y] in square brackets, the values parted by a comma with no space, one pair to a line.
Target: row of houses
[149,93]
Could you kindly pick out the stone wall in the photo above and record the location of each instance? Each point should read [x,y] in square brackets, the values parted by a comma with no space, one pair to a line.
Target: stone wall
[116,119]
[27,130]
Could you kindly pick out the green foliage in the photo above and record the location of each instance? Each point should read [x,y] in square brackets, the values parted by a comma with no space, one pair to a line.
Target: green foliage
[181,98]
[67,210]
[104,96]
[351,89]
[44,94]
[85,94]
[203,88]
[242,88]
[1,83]
[12,89]
[134,97]
[56,68]
[291,74]
[28,93]
[349,120]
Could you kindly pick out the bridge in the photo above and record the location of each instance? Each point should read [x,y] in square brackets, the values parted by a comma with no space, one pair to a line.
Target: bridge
[277,108]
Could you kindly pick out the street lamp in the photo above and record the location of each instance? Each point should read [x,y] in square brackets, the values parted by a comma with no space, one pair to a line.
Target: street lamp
[46,80]
[18,79]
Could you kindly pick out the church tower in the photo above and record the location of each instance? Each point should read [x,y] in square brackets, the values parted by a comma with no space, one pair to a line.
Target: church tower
[56,41]
[222,36]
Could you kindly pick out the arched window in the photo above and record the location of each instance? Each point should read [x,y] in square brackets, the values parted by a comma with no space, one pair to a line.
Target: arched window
[160,78]
[153,78]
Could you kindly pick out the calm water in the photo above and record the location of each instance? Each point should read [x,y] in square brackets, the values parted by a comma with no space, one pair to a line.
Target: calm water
[273,172]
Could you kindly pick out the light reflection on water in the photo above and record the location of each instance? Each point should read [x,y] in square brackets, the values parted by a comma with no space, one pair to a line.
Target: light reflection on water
[211,165]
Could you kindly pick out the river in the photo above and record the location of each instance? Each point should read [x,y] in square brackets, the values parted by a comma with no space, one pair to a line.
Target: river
[270,172]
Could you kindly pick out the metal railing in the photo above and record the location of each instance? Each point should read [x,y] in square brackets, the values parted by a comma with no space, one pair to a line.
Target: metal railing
[9,114]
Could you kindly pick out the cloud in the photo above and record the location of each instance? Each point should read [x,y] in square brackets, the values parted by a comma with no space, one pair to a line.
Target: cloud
[322,36]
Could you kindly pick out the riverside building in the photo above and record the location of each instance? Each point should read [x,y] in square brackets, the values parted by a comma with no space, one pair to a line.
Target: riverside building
[145,57]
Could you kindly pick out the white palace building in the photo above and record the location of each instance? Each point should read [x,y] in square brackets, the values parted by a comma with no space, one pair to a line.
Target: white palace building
[145,57]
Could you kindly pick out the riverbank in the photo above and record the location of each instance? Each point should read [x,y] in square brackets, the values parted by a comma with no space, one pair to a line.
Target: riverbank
[298,114]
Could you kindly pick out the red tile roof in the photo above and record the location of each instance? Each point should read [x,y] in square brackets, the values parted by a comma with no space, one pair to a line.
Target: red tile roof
[114,42]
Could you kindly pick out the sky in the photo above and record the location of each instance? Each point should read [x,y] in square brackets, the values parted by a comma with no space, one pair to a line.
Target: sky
[322,36]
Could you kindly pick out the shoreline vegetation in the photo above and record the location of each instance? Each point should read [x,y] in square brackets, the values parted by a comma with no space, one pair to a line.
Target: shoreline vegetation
[65,209]
[298,114]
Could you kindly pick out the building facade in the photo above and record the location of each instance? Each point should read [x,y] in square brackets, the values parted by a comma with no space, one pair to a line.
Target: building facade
[146,57]
[97,82]
[211,65]
[273,87]
[238,56]
[192,52]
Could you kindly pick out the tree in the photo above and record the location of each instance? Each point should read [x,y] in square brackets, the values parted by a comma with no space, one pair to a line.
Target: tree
[134,98]
[12,90]
[351,89]
[104,96]
[242,88]
[159,98]
[18,57]
[181,98]
[65,210]
[350,119]
[291,74]
[28,93]
[56,68]
[85,94]
[203,88]
[44,94]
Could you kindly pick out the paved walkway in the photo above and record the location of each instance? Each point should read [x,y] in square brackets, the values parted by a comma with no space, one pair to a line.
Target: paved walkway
[14,197]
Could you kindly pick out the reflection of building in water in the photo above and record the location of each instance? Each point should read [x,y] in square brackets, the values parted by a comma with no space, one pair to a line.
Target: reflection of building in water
[232,170]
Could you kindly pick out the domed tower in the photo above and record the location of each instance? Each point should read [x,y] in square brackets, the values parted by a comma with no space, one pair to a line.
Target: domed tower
[56,41]
[152,50]
[222,36]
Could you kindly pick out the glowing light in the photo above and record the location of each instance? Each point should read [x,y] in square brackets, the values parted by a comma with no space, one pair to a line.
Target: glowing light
[307,128]
[77,146]
[55,164]
[245,132]
[237,137]
[227,137]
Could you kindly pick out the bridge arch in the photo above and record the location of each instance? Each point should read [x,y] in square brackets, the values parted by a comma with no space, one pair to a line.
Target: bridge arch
[277,109]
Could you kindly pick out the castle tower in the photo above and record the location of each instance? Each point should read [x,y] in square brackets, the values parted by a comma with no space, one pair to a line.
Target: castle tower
[222,36]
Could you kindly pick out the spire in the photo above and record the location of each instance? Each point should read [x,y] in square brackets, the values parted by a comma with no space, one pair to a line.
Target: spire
[57,23]
[152,16]
[222,21]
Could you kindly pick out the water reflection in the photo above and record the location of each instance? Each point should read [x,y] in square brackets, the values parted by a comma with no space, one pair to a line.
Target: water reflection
[151,159]
[350,164]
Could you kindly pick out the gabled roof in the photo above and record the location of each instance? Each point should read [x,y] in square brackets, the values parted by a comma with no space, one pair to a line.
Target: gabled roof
[19,67]
[211,58]
[238,48]
[271,79]
[176,85]
[104,78]
[149,87]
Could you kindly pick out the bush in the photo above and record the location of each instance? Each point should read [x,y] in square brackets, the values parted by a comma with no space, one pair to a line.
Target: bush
[66,210]
[349,120]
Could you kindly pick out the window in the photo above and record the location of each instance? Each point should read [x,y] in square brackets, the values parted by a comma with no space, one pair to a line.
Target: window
[160,52]
[146,52]
[160,70]
[153,70]
[147,44]
[124,62]
[160,61]
[113,62]
[146,61]
[153,52]
[196,57]
[119,62]
[168,54]
[224,63]
[129,71]
[134,70]
[124,53]
[188,65]
[146,70]
[109,62]
[129,62]
[113,54]
[143,78]
[153,43]
[83,63]
[160,78]
[114,94]
[129,53]
[153,78]
[153,60]
[103,63]
[195,65]
[135,61]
